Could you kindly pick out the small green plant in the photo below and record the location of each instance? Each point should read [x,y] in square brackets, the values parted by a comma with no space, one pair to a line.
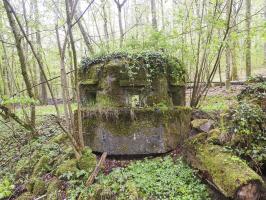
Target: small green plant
[216,103]
[6,188]
[159,178]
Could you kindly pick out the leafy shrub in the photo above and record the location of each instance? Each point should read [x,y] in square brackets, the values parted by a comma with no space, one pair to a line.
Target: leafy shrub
[151,179]
[254,91]
[6,188]
[248,133]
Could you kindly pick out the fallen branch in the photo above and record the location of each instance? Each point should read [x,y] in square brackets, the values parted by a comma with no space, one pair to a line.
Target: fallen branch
[6,113]
[95,172]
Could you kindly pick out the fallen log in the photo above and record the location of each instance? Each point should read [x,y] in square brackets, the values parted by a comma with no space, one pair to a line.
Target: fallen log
[227,172]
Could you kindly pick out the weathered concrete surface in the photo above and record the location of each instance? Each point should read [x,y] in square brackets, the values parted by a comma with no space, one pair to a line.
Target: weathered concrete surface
[149,132]
[130,103]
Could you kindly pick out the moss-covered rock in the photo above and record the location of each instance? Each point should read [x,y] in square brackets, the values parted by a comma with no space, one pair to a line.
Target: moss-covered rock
[39,187]
[53,190]
[214,136]
[68,166]
[87,161]
[42,166]
[26,196]
[196,123]
[24,166]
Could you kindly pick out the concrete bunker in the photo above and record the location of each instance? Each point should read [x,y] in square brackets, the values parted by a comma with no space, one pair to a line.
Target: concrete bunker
[133,104]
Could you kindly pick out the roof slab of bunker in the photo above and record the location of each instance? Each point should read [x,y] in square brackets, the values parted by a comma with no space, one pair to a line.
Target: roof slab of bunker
[155,63]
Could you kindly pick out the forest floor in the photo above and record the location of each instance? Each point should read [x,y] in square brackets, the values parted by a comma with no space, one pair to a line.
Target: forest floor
[15,148]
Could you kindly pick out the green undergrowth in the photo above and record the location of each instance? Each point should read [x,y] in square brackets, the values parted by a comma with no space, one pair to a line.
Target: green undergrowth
[247,129]
[217,103]
[45,110]
[26,161]
[159,178]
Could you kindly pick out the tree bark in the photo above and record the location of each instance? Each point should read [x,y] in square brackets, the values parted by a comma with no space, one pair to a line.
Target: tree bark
[43,90]
[105,23]
[248,39]
[119,8]
[38,59]
[227,52]
[84,35]
[79,123]
[6,113]
[22,59]
[153,14]
[162,14]
[265,42]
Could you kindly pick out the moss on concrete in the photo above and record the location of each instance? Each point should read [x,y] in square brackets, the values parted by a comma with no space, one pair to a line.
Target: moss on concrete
[127,121]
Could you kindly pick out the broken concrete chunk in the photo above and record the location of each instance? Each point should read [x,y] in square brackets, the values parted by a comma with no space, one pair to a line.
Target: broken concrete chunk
[202,125]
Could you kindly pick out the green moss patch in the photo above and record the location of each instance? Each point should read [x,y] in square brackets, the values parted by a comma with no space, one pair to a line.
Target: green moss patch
[68,166]
[87,162]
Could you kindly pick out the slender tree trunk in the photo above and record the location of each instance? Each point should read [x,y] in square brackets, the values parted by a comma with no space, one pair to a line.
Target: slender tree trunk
[265,42]
[119,8]
[84,35]
[120,26]
[248,39]
[43,90]
[38,59]
[153,14]
[228,66]
[227,53]
[22,59]
[162,13]
[79,123]
[105,23]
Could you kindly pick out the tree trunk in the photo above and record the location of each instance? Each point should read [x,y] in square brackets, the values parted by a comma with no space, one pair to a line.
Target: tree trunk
[38,59]
[119,8]
[223,170]
[43,90]
[105,23]
[120,26]
[22,59]
[248,39]
[228,66]
[162,13]
[153,14]
[79,123]
[84,35]
[227,52]
[265,42]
